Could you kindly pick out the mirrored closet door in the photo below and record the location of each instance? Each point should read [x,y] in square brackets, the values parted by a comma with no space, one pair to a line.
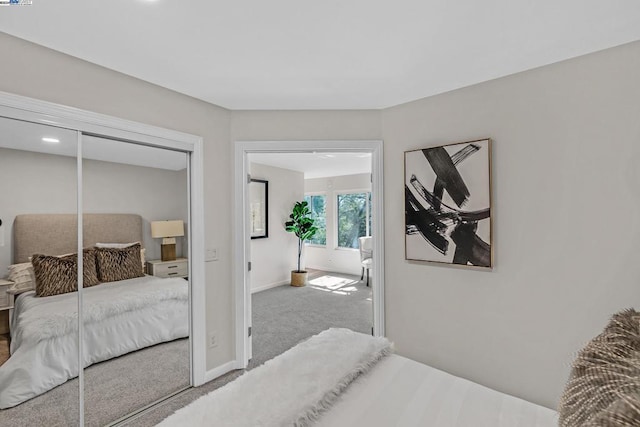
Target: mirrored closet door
[136,321]
[96,275]
[39,333]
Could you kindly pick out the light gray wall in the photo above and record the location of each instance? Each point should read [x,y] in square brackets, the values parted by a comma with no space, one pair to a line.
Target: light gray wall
[273,258]
[47,184]
[566,220]
[329,257]
[305,125]
[35,71]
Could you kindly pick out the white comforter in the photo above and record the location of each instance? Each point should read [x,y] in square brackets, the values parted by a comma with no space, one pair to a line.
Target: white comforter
[402,392]
[342,378]
[119,317]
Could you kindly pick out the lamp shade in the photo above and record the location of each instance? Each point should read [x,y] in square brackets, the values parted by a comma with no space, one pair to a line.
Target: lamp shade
[167,228]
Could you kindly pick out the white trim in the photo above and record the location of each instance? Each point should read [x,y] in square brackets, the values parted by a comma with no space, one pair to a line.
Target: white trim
[241,224]
[269,286]
[241,235]
[197,278]
[47,113]
[214,373]
[377,223]
[80,277]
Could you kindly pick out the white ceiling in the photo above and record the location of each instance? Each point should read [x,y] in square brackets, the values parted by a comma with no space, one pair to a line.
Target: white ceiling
[317,165]
[330,54]
[26,136]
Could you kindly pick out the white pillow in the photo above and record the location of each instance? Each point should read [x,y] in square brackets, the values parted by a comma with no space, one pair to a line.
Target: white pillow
[22,275]
[123,245]
[115,245]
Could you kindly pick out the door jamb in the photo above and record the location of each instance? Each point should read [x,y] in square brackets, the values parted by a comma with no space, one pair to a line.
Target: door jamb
[241,227]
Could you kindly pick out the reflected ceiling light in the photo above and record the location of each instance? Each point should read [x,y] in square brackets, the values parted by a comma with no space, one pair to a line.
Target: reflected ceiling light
[50,140]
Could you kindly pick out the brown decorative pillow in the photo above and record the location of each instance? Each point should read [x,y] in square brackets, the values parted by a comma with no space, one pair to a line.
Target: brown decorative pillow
[119,263]
[59,275]
[604,385]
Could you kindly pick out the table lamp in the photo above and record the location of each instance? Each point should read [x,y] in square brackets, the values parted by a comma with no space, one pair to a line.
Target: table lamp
[168,231]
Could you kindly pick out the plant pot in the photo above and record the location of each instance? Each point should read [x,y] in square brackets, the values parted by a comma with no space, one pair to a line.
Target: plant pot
[299,278]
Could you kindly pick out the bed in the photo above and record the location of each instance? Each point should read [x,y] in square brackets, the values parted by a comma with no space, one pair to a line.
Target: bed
[345,378]
[118,317]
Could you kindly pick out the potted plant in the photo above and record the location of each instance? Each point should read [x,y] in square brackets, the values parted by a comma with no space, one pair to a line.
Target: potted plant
[301,224]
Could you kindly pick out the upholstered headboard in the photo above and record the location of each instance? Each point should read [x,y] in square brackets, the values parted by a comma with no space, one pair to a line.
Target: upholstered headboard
[57,234]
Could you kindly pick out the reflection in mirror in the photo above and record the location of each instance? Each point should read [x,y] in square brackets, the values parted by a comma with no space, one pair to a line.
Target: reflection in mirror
[38,286]
[136,321]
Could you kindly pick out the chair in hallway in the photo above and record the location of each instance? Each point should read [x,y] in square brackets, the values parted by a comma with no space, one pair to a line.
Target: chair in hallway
[366,255]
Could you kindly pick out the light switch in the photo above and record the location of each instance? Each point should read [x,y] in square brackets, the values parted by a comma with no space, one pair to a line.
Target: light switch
[211,255]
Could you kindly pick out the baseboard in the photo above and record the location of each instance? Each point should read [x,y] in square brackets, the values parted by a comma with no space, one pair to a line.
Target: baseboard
[269,286]
[220,371]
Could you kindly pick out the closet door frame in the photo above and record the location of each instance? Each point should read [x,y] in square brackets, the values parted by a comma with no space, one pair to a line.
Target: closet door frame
[90,123]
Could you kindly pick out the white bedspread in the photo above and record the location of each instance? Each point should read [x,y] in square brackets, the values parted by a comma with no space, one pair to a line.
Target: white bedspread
[119,317]
[404,393]
[333,380]
[298,384]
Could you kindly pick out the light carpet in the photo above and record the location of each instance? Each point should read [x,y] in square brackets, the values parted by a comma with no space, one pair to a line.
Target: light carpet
[112,389]
[302,383]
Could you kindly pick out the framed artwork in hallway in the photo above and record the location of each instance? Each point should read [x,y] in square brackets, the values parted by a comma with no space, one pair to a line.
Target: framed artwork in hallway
[259,208]
[447,192]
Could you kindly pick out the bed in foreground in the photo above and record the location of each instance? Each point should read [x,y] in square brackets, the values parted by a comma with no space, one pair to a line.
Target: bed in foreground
[344,378]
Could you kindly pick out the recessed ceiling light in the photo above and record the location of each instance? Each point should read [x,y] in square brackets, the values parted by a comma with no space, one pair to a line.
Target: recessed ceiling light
[51,140]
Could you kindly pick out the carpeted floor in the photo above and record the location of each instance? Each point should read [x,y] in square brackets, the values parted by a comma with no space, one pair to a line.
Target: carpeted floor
[282,317]
[112,389]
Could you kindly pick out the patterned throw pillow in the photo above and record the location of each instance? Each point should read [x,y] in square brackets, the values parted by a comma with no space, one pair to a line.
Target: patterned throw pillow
[604,386]
[119,263]
[124,245]
[59,275]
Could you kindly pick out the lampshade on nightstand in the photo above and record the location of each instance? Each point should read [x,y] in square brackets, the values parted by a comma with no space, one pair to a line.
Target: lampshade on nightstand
[167,231]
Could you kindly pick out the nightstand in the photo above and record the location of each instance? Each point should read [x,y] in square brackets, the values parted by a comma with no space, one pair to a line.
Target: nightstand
[6,303]
[6,300]
[177,268]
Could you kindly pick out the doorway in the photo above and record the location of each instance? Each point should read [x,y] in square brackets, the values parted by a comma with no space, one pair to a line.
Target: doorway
[243,230]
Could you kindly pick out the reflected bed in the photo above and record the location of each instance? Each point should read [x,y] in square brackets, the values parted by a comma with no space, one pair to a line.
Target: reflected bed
[118,317]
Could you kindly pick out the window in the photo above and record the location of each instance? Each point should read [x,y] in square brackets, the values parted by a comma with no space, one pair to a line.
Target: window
[317,204]
[354,218]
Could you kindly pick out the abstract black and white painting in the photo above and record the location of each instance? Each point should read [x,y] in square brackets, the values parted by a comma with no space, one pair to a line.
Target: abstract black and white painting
[448,204]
